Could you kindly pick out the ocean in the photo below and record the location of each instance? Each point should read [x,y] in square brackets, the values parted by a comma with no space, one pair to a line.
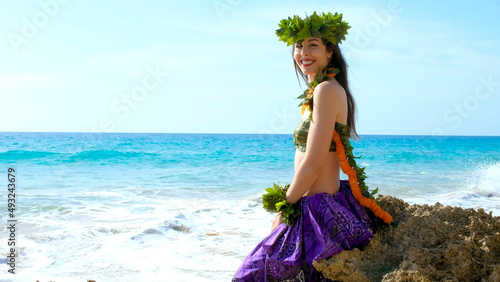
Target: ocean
[187,207]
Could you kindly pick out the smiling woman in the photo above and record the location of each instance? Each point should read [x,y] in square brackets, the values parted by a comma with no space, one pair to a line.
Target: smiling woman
[319,215]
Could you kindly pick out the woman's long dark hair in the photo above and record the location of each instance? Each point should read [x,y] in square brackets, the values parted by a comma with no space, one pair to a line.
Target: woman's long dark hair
[337,61]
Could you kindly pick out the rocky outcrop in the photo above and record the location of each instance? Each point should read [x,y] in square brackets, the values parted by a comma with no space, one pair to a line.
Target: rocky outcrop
[430,243]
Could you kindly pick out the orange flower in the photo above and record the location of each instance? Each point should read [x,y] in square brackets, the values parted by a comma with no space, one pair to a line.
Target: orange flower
[331,74]
[353,181]
[307,106]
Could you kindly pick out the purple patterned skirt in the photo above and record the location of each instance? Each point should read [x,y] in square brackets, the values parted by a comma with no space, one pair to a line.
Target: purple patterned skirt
[327,225]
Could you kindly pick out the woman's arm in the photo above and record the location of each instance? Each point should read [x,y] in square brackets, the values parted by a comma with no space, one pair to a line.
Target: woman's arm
[327,101]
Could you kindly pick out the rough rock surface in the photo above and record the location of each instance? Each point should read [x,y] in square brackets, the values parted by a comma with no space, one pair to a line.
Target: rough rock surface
[430,243]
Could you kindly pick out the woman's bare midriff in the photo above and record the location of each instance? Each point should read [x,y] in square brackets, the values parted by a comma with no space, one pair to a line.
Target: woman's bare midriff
[328,180]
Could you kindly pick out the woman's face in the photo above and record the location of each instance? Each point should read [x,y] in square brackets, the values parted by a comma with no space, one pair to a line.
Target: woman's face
[311,55]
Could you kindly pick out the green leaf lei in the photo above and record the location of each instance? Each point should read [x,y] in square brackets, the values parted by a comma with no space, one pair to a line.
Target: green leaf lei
[275,201]
[327,73]
[329,27]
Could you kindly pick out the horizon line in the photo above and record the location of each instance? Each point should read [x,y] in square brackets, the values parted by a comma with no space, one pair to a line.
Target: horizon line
[220,133]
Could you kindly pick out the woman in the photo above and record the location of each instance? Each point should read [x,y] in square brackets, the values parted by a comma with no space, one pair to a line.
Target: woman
[331,218]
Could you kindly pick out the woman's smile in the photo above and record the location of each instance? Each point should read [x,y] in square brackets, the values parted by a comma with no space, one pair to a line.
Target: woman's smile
[306,62]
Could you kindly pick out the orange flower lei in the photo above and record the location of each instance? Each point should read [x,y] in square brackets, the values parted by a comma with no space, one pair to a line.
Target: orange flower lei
[348,169]
[353,181]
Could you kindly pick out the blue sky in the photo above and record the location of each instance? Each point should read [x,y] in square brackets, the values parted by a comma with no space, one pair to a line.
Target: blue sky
[415,67]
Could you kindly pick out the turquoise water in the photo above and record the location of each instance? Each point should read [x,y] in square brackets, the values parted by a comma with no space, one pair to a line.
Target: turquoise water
[125,207]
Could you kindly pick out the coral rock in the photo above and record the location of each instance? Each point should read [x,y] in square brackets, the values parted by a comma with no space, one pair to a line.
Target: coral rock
[430,243]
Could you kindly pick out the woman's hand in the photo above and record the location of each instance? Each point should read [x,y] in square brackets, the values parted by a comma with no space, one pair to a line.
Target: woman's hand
[276,221]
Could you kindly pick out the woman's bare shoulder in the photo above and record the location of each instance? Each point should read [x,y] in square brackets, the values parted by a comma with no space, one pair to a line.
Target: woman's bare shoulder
[329,91]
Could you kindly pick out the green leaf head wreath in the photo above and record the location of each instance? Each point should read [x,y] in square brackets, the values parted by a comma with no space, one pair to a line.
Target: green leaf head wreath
[329,27]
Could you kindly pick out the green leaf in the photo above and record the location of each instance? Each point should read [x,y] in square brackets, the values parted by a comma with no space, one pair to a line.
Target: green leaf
[315,32]
[303,34]
[280,205]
